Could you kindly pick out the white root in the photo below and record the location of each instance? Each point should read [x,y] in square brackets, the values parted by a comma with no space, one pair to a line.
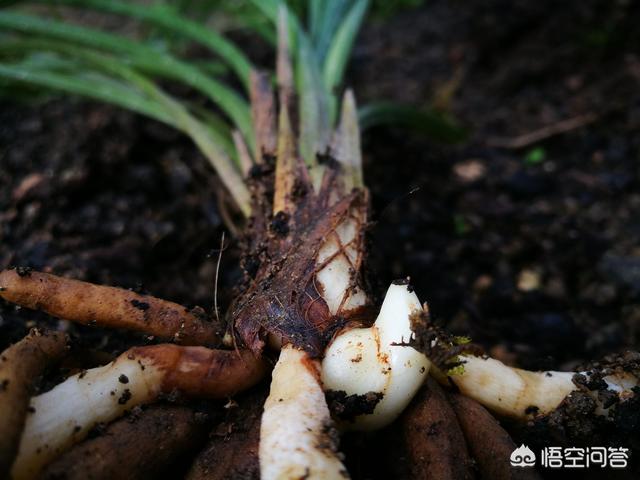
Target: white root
[366,360]
[296,435]
[519,393]
[65,414]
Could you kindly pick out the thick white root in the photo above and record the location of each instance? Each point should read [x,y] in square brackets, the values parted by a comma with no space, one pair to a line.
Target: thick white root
[372,359]
[66,413]
[297,438]
[518,393]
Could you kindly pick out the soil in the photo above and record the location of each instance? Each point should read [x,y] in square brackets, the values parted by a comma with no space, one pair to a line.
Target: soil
[533,251]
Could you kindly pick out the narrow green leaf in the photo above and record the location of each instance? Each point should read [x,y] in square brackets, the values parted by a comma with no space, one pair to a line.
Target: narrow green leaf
[313,104]
[340,49]
[314,17]
[152,102]
[271,9]
[219,129]
[168,18]
[93,86]
[139,56]
[331,14]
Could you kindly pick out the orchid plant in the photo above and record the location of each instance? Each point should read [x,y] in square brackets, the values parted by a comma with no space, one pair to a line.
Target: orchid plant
[287,150]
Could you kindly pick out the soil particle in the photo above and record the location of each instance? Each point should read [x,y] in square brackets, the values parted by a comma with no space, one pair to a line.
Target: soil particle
[134,414]
[280,224]
[251,265]
[299,190]
[347,407]
[125,397]
[328,160]
[24,271]
[144,306]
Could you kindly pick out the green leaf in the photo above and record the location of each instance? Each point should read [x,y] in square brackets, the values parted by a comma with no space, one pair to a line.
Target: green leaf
[271,9]
[164,16]
[88,85]
[146,98]
[427,122]
[340,49]
[325,24]
[314,17]
[314,102]
[138,55]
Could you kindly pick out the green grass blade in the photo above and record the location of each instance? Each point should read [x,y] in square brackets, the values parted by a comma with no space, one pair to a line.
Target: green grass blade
[34,25]
[426,122]
[313,18]
[313,103]
[152,101]
[219,129]
[271,9]
[91,86]
[332,13]
[340,49]
[142,57]
[168,18]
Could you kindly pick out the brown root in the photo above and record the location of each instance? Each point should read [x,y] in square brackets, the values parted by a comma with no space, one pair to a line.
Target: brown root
[65,414]
[112,307]
[20,364]
[434,442]
[135,447]
[201,372]
[232,451]
[490,445]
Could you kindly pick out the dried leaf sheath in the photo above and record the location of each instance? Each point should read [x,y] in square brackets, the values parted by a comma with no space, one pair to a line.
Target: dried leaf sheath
[346,143]
[263,114]
[285,297]
[304,251]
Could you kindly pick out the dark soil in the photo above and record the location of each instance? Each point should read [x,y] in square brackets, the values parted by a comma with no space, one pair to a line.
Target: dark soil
[569,221]
[534,252]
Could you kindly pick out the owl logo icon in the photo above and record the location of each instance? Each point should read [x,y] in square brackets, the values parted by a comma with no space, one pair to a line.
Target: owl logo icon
[522,457]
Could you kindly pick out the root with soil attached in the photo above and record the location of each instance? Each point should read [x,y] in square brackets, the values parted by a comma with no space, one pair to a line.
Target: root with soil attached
[303,305]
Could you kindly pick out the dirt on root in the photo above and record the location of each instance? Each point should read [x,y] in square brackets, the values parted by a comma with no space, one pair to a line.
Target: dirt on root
[532,251]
